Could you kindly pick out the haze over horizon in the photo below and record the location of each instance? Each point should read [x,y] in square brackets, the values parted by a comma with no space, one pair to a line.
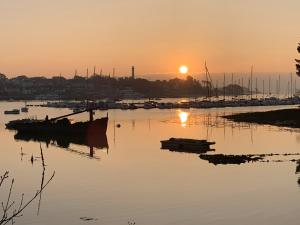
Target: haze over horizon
[53,37]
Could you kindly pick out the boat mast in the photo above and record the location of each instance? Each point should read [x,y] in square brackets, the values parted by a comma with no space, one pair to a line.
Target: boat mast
[251,82]
[276,91]
[239,85]
[263,89]
[269,86]
[291,85]
[208,82]
[242,87]
[232,88]
[224,87]
[295,89]
[217,84]
[256,87]
[87,87]
[207,86]
[279,85]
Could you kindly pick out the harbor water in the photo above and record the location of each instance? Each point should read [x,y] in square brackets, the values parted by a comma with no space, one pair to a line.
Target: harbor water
[134,180]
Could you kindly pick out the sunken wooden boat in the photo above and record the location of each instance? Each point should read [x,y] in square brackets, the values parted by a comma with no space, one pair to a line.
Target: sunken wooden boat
[187,145]
[60,126]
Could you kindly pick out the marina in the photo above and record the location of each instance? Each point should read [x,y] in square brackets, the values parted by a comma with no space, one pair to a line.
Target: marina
[162,104]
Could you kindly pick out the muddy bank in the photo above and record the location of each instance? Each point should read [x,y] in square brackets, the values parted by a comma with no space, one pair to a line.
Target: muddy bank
[230,159]
[223,159]
[283,118]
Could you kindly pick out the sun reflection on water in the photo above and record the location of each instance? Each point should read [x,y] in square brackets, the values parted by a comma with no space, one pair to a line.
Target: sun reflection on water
[183,116]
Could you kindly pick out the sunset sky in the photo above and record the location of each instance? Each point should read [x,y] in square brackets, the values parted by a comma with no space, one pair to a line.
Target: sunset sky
[42,37]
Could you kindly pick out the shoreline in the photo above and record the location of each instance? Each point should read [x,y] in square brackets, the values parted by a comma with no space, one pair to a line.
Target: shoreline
[289,118]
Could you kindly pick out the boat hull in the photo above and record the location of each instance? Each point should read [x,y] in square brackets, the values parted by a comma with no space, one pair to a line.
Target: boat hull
[62,127]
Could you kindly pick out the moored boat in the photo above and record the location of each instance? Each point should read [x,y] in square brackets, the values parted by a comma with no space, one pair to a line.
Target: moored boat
[24,109]
[12,112]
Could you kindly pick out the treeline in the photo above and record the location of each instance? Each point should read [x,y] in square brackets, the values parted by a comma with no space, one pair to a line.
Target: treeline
[97,87]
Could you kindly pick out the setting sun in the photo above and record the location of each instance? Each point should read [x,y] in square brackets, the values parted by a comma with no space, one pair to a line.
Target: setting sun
[183,69]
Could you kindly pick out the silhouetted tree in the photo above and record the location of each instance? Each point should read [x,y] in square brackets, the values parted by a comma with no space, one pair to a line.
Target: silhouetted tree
[298,62]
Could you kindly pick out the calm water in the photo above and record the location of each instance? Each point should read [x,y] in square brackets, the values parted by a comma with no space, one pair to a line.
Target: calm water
[134,180]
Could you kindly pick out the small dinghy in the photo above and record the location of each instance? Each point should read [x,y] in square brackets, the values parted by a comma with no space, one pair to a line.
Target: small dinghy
[12,112]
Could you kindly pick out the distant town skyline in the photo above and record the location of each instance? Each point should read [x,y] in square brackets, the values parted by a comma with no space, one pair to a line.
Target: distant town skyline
[51,37]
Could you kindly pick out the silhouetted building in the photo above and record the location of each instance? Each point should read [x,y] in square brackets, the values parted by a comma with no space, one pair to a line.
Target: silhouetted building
[132,72]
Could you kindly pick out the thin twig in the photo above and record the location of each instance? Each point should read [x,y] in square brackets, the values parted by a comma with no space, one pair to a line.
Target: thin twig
[17,213]
[43,177]
[9,214]
[3,177]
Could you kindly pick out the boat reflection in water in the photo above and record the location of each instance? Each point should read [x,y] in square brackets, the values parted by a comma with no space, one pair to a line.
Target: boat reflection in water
[97,140]
[61,132]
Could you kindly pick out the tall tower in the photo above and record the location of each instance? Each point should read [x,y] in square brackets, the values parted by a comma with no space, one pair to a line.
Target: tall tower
[132,72]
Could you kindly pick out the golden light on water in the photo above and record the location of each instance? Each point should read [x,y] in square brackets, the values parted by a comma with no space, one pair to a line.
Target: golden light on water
[183,69]
[183,116]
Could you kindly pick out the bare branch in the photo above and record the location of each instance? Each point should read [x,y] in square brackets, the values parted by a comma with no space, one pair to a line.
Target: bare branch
[9,212]
[3,177]
[42,181]
[18,212]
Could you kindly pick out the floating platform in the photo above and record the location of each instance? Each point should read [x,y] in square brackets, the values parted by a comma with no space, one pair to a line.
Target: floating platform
[187,145]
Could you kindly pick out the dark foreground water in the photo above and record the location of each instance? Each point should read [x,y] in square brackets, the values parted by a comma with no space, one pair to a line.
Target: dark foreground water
[134,180]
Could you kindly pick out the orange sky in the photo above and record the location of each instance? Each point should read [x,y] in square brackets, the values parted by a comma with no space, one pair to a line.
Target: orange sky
[41,37]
